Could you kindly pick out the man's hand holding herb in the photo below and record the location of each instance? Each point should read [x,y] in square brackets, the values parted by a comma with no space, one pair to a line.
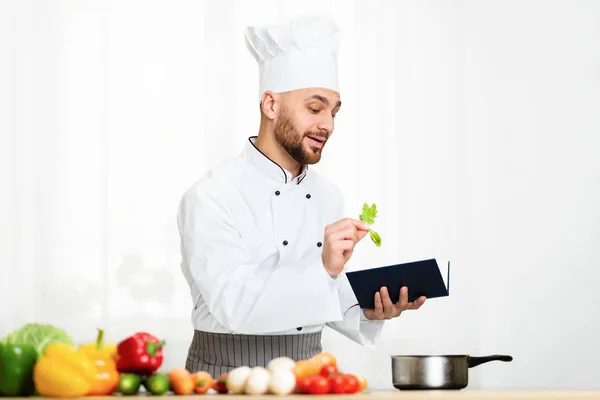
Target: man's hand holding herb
[340,239]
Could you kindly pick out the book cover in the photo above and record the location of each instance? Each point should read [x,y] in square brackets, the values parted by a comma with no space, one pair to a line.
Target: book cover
[429,278]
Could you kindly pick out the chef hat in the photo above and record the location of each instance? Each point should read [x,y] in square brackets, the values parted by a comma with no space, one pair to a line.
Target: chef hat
[296,53]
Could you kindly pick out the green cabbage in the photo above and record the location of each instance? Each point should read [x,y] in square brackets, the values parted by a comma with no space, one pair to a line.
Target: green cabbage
[39,336]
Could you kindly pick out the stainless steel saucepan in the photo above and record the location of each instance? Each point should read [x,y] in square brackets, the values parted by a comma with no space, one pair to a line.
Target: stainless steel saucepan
[414,372]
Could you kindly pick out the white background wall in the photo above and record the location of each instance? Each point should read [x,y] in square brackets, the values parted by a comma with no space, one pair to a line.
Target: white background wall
[472,124]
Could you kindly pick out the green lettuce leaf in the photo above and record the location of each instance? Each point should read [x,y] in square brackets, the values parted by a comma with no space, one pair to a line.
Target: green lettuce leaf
[368,216]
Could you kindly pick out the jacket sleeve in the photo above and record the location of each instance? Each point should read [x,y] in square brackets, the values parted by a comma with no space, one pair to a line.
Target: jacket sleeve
[354,325]
[247,297]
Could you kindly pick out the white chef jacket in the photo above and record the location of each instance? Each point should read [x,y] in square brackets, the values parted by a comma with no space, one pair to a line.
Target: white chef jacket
[251,244]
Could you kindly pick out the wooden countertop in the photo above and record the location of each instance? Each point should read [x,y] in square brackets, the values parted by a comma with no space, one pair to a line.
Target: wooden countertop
[397,394]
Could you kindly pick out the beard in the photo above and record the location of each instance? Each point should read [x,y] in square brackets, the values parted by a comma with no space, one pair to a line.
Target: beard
[292,141]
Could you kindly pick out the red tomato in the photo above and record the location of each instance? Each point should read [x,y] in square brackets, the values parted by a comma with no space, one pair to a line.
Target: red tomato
[329,371]
[319,385]
[336,384]
[330,383]
[303,384]
[351,384]
[220,384]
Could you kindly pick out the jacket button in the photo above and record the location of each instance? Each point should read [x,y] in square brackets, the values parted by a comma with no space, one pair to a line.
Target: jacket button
[308,196]
[299,328]
[285,242]
[277,193]
[319,244]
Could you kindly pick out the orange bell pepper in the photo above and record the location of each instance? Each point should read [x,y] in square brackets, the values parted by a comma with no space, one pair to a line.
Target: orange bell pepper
[62,371]
[107,377]
[304,368]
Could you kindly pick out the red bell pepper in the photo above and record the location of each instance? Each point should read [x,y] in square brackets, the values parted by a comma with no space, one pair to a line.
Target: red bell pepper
[140,354]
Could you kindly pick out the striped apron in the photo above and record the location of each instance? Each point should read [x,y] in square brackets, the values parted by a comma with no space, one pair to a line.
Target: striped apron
[218,353]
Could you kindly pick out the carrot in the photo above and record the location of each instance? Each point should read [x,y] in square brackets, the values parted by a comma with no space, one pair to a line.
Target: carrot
[202,381]
[181,381]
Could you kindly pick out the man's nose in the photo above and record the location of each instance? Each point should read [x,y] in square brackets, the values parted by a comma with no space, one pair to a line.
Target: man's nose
[326,124]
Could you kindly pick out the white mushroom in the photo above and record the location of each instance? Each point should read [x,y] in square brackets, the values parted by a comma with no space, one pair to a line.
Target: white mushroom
[282,382]
[237,379]
[281,363]
[258,382]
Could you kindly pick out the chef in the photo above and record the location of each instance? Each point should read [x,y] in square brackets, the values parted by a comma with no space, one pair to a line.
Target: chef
[264,240]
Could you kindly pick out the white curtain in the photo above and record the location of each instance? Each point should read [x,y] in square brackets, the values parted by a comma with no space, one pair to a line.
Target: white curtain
[471,124]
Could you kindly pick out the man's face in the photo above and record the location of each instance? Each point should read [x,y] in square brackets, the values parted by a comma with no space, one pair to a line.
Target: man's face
[305,122]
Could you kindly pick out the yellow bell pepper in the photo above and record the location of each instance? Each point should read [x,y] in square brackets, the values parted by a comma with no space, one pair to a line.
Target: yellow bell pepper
[62,371]
[107,376]
[99,346]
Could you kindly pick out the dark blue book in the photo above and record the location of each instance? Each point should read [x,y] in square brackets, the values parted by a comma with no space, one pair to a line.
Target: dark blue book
[429,278]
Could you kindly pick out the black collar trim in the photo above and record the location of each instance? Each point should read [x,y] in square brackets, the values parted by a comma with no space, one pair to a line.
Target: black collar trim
[303,175]
[257,149]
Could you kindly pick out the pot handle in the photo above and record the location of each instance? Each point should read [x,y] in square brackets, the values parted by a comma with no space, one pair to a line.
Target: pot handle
[475,361]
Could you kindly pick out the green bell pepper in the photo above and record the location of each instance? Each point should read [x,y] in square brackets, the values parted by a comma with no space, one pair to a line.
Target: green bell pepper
[16,369]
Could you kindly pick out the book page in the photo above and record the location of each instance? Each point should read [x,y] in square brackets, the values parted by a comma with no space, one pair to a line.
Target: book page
[444,267]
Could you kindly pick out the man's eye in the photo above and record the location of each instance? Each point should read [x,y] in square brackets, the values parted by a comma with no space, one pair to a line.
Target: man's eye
[312,110]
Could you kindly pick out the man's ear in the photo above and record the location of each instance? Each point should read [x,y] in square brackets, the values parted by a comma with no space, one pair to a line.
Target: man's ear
[270,104]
